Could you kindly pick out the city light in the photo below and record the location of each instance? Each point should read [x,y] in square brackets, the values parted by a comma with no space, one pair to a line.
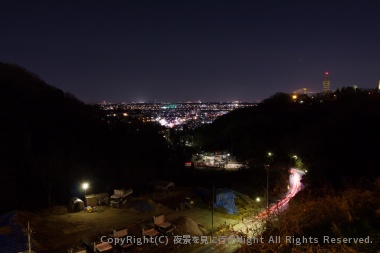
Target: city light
[175,116]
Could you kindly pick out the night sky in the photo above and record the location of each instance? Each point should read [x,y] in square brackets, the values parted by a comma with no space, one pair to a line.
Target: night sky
[171,51]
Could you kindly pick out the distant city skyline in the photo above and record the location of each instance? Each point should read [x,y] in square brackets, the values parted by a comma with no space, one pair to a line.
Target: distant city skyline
[178,51]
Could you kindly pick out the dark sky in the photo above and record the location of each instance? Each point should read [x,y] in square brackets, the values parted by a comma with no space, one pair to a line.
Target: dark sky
[186,50]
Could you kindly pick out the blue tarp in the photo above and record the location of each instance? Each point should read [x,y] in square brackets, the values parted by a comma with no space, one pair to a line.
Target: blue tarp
[225,198]
[17,240]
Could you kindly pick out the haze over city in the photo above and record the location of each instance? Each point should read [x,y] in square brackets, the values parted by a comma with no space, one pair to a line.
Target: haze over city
[146,51]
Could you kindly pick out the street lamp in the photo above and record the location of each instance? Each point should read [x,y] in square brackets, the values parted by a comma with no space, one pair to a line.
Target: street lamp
[267,167]
[291,158]
[85,186]
[212,210]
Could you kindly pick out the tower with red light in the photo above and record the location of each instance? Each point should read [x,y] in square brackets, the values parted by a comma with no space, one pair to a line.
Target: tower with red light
[326,83]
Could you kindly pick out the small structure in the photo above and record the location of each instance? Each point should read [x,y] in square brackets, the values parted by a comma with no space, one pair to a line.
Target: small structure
[95,244]
[119,197]
[120,234]
[97,199]
[233,165]
[225,198]
[102,247]
[76,204]
[162,225]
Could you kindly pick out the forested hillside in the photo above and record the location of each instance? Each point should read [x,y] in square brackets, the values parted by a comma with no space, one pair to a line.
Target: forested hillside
[50,142]
[336,136]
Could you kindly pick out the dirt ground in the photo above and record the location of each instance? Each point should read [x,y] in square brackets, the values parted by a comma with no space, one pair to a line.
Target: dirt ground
[57,231]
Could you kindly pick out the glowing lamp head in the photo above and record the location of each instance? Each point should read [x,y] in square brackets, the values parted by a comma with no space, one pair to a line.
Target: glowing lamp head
[85,186]
[327,73]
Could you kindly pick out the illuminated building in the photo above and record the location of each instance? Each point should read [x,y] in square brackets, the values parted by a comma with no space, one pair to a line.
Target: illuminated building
[326,83]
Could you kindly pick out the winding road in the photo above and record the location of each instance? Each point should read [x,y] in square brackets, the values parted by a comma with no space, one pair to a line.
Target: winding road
[295,186]
[254,227]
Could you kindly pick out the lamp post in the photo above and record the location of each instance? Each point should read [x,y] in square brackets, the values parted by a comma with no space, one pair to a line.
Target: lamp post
[267,167]
[291,158]
[85,186]
[212,210]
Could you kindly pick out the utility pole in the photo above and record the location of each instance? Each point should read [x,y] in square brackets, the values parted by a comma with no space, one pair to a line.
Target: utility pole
[267,167]
[212,213]
[177,173]
[29,242]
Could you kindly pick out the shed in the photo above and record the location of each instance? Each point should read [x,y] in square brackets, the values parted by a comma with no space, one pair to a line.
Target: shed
[97,199]
[76,204]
